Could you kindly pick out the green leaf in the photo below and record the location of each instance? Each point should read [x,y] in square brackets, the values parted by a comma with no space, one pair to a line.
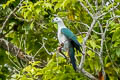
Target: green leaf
[109,6]
[3,5]
[12,23]
[54,1]
[38,10]
[116,34]
[91,53]
[117,12]
[118,52]
[7,4]
[117,0]
[38,3]
[62,13]
[117,43]
[32,25]
[48,5]
[93,44]
[106,59]
[65,2]
[57,6]
[27,14]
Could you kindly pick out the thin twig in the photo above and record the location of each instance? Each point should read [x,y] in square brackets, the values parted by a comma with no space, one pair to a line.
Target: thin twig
[93,50]
[103,3]
[21,18]
[13,62]
[101,29]
[89,31]
[89,27]
[96,4]
[101,49]
[38,51]
[113,64]
[84,44]
[45,47]
[4,24]
[85,8]
[88,74]
[100,54]
[109,10]
[90,6]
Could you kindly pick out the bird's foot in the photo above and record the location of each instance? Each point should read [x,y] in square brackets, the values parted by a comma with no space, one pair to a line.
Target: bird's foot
[62,44]
[59,49]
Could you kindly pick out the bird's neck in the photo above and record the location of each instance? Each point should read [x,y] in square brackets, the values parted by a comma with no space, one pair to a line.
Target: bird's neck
[61,25]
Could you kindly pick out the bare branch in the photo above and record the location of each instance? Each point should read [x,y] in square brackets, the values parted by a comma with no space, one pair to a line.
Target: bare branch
[101,49]
[103,3]
[89,31]
[93,50]
[109,10]
[43,43]
[100,27]
[62,54]
[90,6]
[89,27]
[113,63]
[85,8]
[14,50]
[38,51]
[96,4]
[13,62]
[4,24]
[81,33]
[82,61]
[88,74]
[21,18]
[84,44]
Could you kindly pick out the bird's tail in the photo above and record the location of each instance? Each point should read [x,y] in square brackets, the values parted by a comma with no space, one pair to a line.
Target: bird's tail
[72,57]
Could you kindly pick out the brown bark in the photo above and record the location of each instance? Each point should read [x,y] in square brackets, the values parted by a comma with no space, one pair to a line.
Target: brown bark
[14,50]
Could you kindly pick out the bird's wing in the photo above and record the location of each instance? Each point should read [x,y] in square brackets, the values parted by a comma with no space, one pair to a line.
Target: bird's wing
[69,34]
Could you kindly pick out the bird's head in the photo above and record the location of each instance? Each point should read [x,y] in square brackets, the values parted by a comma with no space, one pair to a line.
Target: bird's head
[57,20]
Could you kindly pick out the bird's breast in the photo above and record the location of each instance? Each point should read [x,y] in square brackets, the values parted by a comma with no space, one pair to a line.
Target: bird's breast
[63,40]
[61,37]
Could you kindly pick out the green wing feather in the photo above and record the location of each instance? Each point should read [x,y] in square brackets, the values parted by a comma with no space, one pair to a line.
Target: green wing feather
[70,35]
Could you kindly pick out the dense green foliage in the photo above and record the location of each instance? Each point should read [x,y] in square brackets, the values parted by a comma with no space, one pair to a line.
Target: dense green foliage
[30,28]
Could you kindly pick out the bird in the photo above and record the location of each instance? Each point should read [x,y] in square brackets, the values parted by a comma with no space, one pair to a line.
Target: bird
[67,40]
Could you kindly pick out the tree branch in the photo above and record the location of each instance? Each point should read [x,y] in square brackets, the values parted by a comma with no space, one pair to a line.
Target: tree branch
[85,8]
[84,47]
[88,74]
[14,50]
[93,50]
[21,19]
[109,10]
[4,24]
[89,27]
[90,6]
[89,31]
[102,42]
[96,4]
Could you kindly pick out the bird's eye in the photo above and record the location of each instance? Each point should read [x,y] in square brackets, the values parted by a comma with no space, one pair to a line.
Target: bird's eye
[56,19]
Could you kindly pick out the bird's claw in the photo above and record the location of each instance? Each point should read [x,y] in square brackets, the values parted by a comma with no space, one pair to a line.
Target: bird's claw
[62,44]
[59,49]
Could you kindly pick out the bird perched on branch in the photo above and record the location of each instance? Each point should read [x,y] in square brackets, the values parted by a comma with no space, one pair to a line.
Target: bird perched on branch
[68,41]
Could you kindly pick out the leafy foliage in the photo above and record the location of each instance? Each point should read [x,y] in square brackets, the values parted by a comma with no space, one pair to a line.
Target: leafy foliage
[30,27]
